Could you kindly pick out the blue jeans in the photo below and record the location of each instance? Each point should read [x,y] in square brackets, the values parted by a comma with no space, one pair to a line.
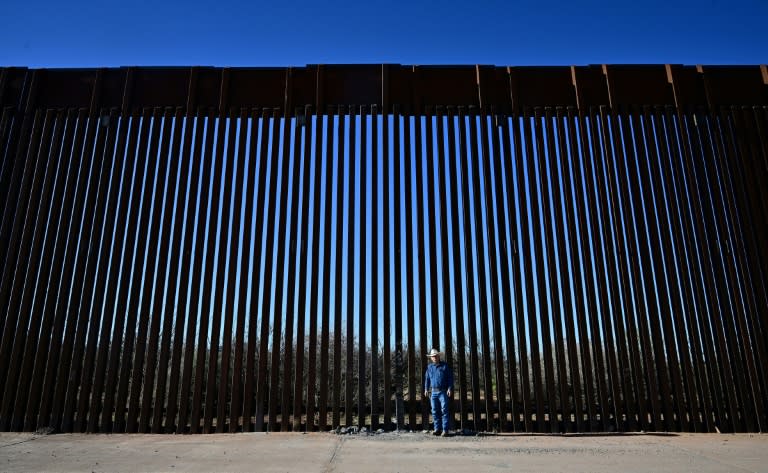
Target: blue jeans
[440,413]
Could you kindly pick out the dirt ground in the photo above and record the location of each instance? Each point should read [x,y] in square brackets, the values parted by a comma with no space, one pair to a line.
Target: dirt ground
[417,451]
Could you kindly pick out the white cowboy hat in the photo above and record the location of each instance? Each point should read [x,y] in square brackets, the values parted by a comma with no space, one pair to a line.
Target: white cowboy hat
[433,352]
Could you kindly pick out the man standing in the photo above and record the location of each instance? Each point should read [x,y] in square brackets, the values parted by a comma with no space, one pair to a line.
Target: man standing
[438,380]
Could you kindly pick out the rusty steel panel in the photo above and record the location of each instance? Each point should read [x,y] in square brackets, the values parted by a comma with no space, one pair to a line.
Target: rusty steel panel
[484,421]
[248,390]
[94,276]
[29,389]
[338,194]
[302,252]
[244,355]
[314,280]
[179,157]
[633,85]
[291,242]
[557,157]
[444,234]
[541,87]
[375,401]
[350,280]
[362,405]
[31,239]
[578,249]
[457,244]
[325,319]
[263,388]
[386,292]
[400,273]
[583,243]
[185,411]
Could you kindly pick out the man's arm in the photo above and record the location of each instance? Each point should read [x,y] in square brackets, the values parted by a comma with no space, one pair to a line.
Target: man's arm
[426,382]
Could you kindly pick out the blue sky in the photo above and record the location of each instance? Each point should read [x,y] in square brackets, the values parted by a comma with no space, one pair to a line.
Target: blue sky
[295,33]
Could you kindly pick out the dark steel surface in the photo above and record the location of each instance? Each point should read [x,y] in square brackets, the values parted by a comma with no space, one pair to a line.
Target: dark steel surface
[29,389]
[187,389]
[445,234]
[303,236]
[464,178]
[545,162]
[362,316]
[325,318]
[400,273]
[315,279]
[69,367]
[374,271]
[339,237]
[515,305]
[497,396]
[118,296]
[17,208]
[682,297]
[31,240]
[253,395]
[290,290]
[579,250]
[536,286]
[349,380]
[421,254]
[386,274]
[566,345]
[148,243]
[149,332]
[523,298]
[456,211]
[267,391]
[166,259]
[191,163]
[92,303]
[276,302]
[602,225]
[234,261]
[700,324]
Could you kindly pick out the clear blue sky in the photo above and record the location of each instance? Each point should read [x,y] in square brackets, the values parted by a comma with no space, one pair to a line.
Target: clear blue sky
[295,33]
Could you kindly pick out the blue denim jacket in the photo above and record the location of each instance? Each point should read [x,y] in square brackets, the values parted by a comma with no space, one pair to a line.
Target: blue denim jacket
[438,376]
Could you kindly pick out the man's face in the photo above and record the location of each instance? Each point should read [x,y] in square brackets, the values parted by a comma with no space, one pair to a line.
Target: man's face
[434,358]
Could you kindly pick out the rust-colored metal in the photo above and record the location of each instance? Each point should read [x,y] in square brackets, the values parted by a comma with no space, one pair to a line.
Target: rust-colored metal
[325,317]
[253,395]
[315,280]
[303,255]
[495,306]
[149,316]
[188,393]
[285,402]
[422,245]
[351,243]
[386,292]
[278,163]
[338,239]
[400,273]
[457,244]
[584,243]
[374,271]
[175,325]
[165,213]
[414,392]
[92,303]
[546,161]
[362,405]
[29,391]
